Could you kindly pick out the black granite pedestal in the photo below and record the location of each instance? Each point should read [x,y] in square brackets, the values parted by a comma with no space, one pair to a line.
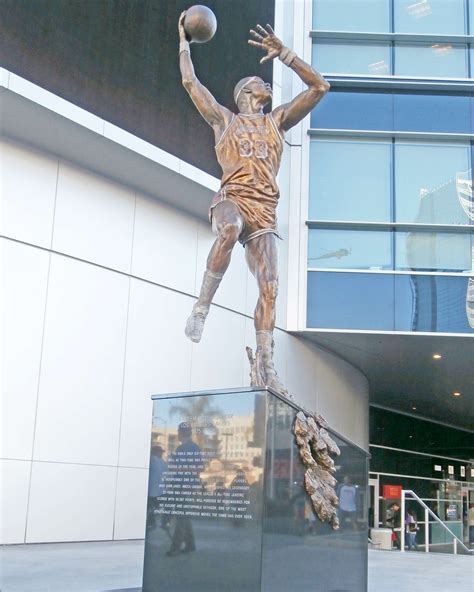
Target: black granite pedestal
[227,511]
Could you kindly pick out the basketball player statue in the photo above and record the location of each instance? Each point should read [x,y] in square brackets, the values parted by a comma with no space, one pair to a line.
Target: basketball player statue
[249,146]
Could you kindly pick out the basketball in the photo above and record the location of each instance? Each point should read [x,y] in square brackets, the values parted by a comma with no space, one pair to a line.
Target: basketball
[200,24]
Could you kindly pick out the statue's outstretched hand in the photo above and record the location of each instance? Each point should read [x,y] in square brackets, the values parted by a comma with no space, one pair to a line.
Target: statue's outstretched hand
[182,32]
[268,41]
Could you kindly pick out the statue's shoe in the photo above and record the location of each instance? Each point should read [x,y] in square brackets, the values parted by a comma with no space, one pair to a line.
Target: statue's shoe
[195,326]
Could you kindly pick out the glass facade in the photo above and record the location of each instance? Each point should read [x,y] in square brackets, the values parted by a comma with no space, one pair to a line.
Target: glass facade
[446,17]
[342,177]
[396,110]
[347,15]
[388,302]
[391,207]
[394,250]
[406,181]
[435,60]
[431,60]
[428,39]
[441,17]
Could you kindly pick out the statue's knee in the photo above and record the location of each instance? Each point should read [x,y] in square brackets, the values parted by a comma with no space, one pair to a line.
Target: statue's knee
[269,290]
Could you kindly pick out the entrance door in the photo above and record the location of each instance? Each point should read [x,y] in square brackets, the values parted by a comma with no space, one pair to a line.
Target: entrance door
[467,497]
[374,503]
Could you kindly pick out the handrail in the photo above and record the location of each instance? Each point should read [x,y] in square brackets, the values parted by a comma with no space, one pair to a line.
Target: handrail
[428,511]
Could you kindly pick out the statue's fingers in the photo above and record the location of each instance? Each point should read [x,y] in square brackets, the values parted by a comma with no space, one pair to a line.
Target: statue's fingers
[265,59]
[255,43]
[256,35]
[262,30]
[270,29]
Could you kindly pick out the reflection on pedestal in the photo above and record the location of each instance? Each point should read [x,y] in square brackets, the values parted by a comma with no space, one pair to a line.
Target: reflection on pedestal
[227,509]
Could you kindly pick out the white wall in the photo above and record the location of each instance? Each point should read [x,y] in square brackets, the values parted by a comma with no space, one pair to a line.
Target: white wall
[97,283]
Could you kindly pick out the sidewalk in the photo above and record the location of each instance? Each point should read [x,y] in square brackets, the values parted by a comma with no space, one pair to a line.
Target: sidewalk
[101,567]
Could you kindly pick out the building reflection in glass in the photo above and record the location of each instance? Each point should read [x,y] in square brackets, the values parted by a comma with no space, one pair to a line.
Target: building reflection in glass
[432,251]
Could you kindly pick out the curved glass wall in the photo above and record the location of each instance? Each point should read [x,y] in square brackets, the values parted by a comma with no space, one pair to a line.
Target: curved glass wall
[388,302]
[390,188]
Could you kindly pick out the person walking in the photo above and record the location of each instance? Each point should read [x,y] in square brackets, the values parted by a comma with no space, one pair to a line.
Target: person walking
[411,529]
[158,467]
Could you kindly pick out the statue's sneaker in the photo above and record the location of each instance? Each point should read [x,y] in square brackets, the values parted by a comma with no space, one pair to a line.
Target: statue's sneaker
[195,325]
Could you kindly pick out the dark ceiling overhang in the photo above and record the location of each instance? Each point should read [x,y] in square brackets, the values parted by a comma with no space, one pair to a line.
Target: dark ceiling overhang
[402,373]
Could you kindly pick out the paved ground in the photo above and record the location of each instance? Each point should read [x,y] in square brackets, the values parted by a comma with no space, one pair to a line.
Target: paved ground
[100,567]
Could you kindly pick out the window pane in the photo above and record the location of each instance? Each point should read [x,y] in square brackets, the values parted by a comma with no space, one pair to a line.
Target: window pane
[386,302]
[349,15]
[432,303]
[395,111]
[433,251]
[338,300]
[426,190]
[350,180]
[432,113]
[349,249]
[352,58]
[430,16]
[354,110]
[437,60]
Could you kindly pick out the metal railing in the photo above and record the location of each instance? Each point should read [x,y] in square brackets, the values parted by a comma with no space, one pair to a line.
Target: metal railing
[457,542]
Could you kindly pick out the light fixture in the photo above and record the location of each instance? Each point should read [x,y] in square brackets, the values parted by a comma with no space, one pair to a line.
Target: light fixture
[413,407]
[437,356]
[456,394]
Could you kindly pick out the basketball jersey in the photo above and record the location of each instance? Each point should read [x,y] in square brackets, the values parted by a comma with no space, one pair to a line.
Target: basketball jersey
[249,152]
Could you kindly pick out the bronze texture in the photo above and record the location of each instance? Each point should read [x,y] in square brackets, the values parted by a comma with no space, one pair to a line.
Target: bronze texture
[249,145]
[315,447]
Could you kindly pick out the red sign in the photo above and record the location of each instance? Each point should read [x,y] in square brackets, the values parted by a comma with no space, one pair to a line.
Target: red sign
[392,491]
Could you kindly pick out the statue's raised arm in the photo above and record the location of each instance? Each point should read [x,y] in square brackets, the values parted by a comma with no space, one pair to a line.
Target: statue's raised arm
[216,115]
[289,114]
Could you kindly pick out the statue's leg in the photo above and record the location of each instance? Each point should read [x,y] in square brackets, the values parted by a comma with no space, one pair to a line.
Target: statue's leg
[228,224]
[262,258]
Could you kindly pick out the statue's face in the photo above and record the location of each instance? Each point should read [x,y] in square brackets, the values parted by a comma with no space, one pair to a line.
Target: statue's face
[262,91]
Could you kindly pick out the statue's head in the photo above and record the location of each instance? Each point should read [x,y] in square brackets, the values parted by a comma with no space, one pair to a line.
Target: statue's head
[255,87]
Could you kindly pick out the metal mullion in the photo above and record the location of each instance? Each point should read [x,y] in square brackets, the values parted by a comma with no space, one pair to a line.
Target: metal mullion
[393,209]
[392,43]
[388,134]
[381,226]
[388,272]
[409,83]
[466,16]
[389,37]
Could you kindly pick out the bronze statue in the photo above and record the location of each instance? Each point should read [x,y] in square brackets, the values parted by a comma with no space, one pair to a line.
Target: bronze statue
[249,146]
